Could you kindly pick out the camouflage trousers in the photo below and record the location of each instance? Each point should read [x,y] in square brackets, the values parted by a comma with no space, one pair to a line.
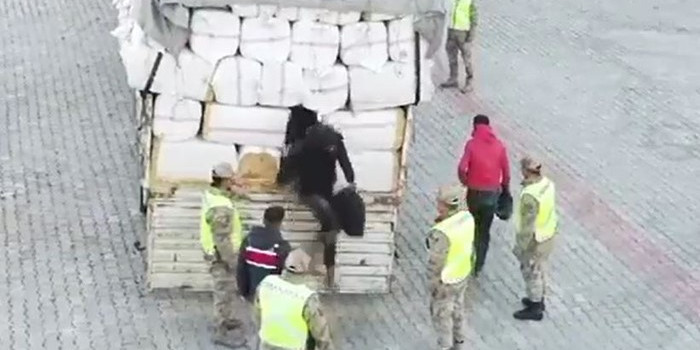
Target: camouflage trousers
[447,312]
[532,266]
[457,44]
[227,304]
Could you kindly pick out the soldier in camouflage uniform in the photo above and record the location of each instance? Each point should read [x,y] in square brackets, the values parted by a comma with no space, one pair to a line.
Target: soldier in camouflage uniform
[460,34]
[290,314]
[450,243]
[536,225]
[221,235]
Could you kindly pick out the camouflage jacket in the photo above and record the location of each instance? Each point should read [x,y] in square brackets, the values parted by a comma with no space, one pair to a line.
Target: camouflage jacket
[528,209]
[220,219]
[312,313]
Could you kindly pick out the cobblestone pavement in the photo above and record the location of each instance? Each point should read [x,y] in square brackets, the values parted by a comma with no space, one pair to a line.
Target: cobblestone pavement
[607,93]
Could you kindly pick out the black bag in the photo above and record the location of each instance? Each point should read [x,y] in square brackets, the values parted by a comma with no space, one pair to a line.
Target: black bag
[350,211]
[504,208]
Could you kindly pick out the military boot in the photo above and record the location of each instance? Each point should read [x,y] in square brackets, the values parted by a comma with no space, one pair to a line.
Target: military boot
[534,312]
[467,86]
[527,302]
[450,83]
[222,338]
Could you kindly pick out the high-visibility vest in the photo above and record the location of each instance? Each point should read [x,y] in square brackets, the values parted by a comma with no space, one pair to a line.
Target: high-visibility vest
[281,313]
[206,236]
[461,15]
[546,222]
[459,229]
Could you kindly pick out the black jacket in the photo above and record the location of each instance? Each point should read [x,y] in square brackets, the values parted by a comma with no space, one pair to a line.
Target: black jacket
[262,253]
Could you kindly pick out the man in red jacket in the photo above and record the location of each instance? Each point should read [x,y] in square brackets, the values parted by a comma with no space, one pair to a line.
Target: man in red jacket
[485,171]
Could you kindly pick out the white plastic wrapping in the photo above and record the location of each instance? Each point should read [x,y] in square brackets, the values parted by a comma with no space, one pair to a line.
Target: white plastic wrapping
[289,13]
[213,48]
[194,76]
[253,126]
[380,130]
[139,58]
[376,17]
[401,40]
[176,119]
[246,11]
[237,81]
[282,85]
[266,39]
[375,171]
[327,90]
[190,161]
[393,85]
[314,45]
[364,44]
[215,22]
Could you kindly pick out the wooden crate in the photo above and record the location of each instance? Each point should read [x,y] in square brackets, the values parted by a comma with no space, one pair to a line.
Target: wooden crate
[363,264]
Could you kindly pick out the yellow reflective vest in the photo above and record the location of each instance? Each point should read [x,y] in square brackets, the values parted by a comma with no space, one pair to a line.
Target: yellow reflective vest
[546,222]
[216,198]
[459,229]
[461,15]
[282,322]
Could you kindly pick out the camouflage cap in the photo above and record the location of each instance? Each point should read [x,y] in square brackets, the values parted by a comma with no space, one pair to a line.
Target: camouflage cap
[223,170]
[531,164]
[451,194]
[297,261]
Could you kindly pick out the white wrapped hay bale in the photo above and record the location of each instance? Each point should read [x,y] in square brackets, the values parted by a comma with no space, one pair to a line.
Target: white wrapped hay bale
[194,76]
[189,161]
[291,14]
[236,81]
[215,34]
[258,166]
[282,85]
[364,44]
[255,126]
[402,40]
[327,90]
[219,23]
[381,130]
[246,11]
[376,17]
[375,171]
[339,18]
[176,119]
[139,59]
[314,45]
[393,85]
[213,48]
[266,39]
[427,87]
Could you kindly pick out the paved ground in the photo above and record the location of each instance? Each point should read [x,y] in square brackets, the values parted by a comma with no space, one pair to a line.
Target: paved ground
[608,93]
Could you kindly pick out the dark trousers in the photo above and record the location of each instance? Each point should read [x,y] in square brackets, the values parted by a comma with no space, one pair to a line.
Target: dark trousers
[330,226]
[482,205]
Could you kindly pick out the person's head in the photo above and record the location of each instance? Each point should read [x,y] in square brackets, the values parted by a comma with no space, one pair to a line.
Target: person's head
[300,120]
[480,119]
[223,176]
[530,168]
[297,261]
[273,216]
[448,199]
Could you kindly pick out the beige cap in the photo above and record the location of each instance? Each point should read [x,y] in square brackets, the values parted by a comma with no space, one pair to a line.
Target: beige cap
[297,261]
[451,194]
[531,164]
[223,170]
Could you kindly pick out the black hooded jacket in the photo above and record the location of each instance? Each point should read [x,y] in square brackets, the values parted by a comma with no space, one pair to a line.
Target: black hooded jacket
[262,253]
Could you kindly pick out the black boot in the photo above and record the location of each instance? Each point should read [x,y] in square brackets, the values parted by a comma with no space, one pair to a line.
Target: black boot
[527,302]
[532,312]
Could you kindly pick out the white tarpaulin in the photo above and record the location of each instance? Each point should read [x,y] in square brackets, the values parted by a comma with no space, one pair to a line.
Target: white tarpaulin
[167,21]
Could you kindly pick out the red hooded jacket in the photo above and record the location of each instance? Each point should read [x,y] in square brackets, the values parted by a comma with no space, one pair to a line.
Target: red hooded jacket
[484,164]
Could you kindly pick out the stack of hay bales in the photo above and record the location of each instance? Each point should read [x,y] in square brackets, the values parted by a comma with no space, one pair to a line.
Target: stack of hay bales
[226,98]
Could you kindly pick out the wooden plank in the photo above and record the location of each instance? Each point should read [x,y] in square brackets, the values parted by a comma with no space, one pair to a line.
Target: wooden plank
[192,281]
[162,255]
[376,248]
[363,285]
[179,267]
[364,271]
[363,259]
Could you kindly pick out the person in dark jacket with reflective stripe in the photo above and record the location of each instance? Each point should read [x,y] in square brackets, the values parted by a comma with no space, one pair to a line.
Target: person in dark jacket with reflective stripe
[262,253]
